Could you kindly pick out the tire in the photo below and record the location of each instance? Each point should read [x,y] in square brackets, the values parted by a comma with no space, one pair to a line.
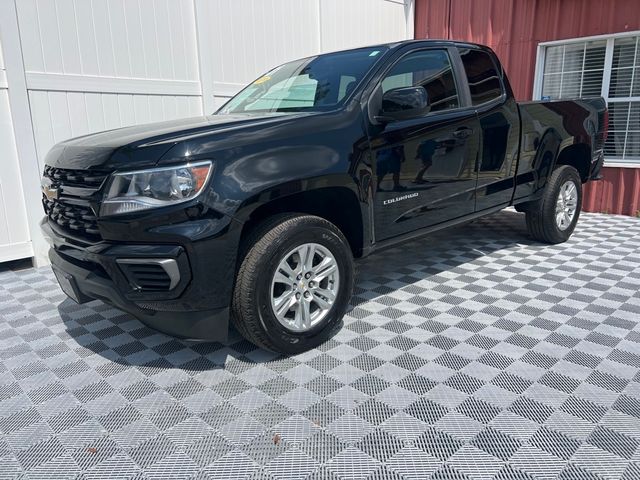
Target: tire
[542,222]
[272,242]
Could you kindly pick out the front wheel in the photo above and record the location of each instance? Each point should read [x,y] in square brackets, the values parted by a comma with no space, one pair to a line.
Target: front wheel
[553,218]
[294,283]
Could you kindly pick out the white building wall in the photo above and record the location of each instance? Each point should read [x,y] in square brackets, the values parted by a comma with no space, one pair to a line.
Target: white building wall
[14,231]
[92,65]
[248,37]
[355,23]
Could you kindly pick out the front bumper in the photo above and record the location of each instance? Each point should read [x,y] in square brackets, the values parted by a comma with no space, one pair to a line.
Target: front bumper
[197,304]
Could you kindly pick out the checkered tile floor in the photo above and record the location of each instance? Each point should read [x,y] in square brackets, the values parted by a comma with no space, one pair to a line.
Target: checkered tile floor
[473,354]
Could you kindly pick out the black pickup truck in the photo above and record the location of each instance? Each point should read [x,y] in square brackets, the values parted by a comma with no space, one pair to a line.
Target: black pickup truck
[256,213]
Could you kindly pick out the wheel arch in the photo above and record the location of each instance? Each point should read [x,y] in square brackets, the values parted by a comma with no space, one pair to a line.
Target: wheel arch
[577,155]
[337,204]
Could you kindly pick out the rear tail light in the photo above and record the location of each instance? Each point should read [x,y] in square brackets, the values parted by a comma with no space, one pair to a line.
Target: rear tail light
[605,125]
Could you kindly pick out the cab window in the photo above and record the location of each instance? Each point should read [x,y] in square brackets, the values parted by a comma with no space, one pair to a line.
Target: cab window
[430,69]
[482,75]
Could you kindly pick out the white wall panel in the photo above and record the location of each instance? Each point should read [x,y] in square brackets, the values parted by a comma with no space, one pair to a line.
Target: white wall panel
[93,65]
[58,116]
[249,37]
[14,231]
[357,23]
[152,39]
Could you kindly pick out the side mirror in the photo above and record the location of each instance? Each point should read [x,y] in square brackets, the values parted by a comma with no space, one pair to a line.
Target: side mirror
[403,103]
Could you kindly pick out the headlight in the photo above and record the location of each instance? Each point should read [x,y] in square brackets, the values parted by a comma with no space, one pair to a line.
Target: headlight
[157,187]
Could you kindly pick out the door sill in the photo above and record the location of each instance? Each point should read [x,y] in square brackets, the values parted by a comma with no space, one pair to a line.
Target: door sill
[390,242]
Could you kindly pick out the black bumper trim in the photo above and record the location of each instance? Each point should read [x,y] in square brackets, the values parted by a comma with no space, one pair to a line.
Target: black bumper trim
[596,168]
[202,325]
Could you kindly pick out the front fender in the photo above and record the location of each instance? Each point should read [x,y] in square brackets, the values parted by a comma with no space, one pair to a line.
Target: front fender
[317,188]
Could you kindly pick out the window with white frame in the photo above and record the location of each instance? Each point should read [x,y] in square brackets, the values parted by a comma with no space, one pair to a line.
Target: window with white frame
[607,66]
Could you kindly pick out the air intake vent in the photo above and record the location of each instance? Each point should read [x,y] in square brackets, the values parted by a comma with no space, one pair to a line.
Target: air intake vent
[150,275]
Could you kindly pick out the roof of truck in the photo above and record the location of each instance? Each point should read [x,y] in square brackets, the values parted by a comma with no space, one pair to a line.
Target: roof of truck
[402,43]
[437,41]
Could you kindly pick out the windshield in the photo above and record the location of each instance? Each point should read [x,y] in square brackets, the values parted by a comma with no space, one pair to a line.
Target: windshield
[315,83]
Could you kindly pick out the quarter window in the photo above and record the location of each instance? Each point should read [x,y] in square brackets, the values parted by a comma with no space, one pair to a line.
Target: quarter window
[482,75]
[430,69]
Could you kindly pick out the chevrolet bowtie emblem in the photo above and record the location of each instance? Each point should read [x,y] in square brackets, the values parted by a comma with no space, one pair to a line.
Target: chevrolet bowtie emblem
[51,192]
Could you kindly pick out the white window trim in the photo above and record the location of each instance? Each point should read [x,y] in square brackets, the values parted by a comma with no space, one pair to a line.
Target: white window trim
[608,62]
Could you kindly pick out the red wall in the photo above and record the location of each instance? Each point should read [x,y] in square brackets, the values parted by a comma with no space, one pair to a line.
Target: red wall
[617,192]
[513,29]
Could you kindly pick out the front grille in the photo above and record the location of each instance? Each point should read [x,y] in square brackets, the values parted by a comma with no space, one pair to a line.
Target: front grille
[78,178]
[72,211]
[73,218]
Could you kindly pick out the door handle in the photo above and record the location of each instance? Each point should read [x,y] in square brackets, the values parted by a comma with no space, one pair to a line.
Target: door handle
[463,132]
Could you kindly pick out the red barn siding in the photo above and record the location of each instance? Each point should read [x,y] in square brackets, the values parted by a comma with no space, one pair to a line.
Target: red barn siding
[513,29]
[617,192]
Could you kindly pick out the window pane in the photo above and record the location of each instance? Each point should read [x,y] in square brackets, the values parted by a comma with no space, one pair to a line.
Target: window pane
[315,83]
[579,68]
[592,83]
[397,81]
[594,55]
[620,85]
[430,69]
[623,141]
[347,84]
[624,67]
[632,147]
[624,52]
[484,81]
[551,85]
[618,114]
[571,83]
[553,60]
[573,57]
[635,91]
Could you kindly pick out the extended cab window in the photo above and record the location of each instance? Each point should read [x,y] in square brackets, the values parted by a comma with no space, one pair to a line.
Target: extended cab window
[482,75]
[314,83]
[430,69]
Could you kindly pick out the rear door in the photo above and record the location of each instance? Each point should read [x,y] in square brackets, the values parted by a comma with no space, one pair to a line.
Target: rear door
[499,128]
[424,167]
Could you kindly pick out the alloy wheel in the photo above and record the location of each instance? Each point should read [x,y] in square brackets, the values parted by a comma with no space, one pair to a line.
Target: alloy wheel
[304,287]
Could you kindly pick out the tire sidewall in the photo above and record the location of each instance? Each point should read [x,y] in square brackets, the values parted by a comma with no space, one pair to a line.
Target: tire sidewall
[568,173]
[298,234]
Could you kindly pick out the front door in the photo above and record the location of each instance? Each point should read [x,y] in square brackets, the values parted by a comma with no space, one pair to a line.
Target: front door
[425,168]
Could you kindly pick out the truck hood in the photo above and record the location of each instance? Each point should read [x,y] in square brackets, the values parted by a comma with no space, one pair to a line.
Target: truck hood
[143,145]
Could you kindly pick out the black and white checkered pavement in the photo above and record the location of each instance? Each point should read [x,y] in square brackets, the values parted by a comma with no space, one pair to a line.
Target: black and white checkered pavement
[475,353]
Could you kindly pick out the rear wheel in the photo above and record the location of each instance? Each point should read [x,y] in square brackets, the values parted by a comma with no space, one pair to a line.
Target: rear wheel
[294,284]
[553,218]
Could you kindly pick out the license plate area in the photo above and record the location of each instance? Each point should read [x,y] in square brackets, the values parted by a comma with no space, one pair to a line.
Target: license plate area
[69,287]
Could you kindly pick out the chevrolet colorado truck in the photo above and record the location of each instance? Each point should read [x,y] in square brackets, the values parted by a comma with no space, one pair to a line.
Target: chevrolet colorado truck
[255,214]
